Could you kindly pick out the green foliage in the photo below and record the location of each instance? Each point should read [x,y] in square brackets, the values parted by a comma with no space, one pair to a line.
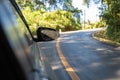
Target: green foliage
[113,33]
[100,34]
[65,17]
[57,19]
[111,17]
[99,24]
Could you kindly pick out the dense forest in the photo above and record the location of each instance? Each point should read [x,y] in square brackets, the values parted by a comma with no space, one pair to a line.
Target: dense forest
[61,14]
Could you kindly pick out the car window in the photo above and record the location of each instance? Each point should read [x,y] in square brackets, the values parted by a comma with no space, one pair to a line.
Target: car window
[17,34]
[22,28]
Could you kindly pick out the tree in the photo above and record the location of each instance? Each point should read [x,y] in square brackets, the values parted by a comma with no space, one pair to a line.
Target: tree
[111,16]
[51,5]
[86,2]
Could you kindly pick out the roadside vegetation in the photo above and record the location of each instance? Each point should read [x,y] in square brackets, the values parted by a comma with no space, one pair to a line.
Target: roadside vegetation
[110,19]
[49,13]
[57,19]
[57,14]
[97,24]
[110,14]
[101,36]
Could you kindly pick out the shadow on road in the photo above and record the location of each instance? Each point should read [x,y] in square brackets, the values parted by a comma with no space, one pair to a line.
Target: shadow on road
[91,59]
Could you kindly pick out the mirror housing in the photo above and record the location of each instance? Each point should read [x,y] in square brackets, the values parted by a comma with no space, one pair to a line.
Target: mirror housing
[46,34]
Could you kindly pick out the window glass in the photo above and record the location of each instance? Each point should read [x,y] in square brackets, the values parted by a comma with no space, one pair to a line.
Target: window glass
[16,34]
[22,29]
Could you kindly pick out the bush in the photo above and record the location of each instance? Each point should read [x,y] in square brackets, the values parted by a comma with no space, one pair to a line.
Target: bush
[99,24]
[101,34]
[58,19]
[113,33]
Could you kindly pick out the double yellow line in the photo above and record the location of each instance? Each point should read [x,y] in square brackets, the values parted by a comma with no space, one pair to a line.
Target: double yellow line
[68,68]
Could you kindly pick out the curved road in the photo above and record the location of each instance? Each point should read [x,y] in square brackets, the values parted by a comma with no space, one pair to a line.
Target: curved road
[90,59]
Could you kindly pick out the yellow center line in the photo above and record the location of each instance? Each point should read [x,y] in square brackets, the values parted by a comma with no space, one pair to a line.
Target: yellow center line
[67,66]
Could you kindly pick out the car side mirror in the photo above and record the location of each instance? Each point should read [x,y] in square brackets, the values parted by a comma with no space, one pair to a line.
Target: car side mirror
[46,34]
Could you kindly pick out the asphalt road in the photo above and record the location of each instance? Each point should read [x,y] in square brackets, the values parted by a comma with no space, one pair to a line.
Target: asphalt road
[90,59]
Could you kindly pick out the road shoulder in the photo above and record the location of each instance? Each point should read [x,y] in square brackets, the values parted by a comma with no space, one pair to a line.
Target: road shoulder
[110,42]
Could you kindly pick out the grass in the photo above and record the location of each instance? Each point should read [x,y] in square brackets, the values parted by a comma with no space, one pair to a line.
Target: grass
[101,36]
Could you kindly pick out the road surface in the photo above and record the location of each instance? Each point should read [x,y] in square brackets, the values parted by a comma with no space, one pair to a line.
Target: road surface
[90,59]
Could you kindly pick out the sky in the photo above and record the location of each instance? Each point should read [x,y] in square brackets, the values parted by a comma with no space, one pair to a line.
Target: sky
[92,13]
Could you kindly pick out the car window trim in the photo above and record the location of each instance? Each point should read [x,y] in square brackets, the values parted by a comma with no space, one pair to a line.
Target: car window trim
[13,2]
